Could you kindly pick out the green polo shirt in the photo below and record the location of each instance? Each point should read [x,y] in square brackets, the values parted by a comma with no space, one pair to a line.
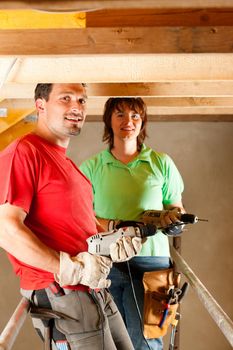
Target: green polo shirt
[124,191]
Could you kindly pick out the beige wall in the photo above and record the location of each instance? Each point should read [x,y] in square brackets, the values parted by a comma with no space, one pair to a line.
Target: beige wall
[203,154]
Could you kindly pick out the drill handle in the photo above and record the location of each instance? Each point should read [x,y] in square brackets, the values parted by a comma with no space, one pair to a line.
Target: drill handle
[145,230]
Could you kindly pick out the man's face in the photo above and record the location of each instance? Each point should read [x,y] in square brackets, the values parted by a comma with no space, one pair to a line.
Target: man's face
[65,111]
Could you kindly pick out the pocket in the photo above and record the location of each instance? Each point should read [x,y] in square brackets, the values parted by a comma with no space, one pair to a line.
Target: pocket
[109,305]
[156,286]
[82,308]
[154,306]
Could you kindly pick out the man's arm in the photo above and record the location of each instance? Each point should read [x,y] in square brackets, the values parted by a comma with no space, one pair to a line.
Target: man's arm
[21,242]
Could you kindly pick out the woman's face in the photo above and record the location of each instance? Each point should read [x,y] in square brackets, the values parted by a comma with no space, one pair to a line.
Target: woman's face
[126,123]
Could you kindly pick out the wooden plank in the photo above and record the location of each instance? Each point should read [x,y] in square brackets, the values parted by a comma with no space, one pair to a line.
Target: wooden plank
[17,130]
[155,106]
[83,5]
[164,89]
[31,19]
[194,102]
[13,117]
[160,17]
[126,40]
[127,68]
[194,89]
[177,118]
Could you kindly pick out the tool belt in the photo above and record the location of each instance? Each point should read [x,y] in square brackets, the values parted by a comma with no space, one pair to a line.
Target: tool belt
[161,300]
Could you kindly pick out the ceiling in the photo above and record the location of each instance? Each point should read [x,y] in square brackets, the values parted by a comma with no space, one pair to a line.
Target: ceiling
[177,55]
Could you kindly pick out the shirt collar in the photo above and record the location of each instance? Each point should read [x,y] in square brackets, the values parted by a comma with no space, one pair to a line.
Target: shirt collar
[144,155]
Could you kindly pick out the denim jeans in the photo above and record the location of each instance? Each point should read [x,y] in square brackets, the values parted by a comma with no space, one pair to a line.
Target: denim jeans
[121,290]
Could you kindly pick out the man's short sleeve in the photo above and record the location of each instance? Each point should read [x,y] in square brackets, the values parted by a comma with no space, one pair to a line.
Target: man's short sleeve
[17,175]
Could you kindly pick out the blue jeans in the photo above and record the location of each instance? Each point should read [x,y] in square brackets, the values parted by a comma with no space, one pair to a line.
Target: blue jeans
[121,290]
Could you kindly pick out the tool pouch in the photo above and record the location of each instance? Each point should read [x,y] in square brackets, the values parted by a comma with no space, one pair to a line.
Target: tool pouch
[156,297]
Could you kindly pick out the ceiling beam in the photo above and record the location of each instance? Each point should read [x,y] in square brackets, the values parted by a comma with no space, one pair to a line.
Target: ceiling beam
[155,106]
[81,5]
[31,19]
[160,17]
[175,89]
[164,89]
[177,118]
[127,40]
[121,68]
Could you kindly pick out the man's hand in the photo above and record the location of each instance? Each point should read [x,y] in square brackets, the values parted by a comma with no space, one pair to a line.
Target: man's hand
[84,268]
[125,248]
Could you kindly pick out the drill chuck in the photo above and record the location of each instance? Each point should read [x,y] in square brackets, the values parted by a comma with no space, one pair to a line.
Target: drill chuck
[188,218]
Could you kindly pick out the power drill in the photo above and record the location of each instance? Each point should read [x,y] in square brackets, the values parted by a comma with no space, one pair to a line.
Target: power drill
[99,243]
[174,229]
[148,225]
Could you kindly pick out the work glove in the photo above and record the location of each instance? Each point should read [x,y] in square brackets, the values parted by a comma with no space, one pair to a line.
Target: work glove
[125,248]
[84,268]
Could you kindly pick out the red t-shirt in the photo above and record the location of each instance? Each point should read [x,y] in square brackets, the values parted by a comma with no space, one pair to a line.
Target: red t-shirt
[37,176]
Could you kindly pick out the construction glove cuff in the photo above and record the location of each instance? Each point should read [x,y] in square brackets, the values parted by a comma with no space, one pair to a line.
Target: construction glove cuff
[84,268]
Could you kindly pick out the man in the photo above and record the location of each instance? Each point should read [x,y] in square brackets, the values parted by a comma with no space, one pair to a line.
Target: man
[46,216]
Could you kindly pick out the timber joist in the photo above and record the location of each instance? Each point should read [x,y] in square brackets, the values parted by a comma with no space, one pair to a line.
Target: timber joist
[84,5]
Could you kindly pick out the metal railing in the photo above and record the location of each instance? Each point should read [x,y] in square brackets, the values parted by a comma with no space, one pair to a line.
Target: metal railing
[10,332]
[222,320]
[224,323]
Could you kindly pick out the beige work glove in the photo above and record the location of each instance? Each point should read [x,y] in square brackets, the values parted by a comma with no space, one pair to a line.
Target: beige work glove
[125,248]
[84,268]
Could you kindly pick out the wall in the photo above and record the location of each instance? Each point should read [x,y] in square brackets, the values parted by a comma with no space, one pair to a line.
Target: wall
[203,154]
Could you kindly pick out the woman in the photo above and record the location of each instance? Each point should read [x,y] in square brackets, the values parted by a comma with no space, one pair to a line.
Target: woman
[129,178]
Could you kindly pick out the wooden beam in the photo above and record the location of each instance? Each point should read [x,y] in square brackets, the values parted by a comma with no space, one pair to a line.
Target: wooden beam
[13,117]
[160,17]
[19,129]
[198,110]
[31,19]
[155,106]
[126,40]
[177,118]
[194,90]
[164,89]
[127,68]
[81,5]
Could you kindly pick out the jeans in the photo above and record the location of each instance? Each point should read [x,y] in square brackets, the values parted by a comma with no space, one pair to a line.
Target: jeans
[122,292]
